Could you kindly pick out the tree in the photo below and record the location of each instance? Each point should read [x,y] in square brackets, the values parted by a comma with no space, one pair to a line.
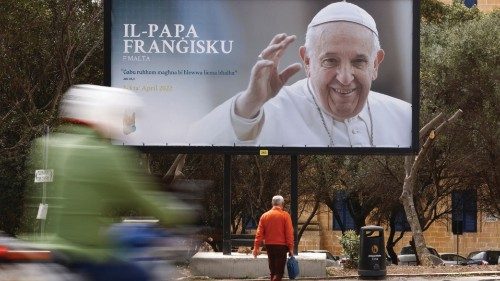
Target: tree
[45,47]
[460,69]
[437,12]
[254,181]
[412,166]
[382,178]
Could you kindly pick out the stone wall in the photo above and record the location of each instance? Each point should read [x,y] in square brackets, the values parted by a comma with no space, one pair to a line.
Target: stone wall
[439,236]
[483,5]
[488,5]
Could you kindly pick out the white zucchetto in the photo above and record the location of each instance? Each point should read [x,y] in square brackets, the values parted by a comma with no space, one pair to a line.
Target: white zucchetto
[343,11]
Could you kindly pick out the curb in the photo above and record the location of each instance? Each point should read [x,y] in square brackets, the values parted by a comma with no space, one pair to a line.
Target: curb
[440,274]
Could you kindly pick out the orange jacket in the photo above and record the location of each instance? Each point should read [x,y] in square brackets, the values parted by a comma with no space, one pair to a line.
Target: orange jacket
[275,228]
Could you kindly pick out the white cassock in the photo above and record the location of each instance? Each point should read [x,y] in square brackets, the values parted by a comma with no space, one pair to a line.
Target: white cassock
[292,119]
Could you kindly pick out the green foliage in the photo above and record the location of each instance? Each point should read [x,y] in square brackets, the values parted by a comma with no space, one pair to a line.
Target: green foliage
[460,69]
[350,247]
[437,12]
[45,47]
[460,64]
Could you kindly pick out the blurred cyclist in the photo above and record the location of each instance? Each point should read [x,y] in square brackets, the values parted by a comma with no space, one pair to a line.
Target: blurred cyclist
[95,182]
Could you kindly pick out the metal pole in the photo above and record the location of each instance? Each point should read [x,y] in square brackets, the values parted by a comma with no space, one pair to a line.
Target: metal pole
[294,167]
[44,184]
[226,209]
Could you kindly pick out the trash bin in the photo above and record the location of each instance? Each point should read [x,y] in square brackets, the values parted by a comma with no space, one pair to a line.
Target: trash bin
[371,252]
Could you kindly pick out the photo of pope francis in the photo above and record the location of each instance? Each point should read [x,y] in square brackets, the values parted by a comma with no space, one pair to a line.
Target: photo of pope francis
[334,106]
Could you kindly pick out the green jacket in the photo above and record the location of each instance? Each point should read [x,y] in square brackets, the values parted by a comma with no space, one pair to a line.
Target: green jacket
[93,181]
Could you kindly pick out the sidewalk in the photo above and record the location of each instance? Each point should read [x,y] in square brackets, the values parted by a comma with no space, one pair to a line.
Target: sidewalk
[469,276]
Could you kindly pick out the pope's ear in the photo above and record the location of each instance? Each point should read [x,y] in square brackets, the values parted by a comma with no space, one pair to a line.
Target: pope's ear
[379,57]
[305,59]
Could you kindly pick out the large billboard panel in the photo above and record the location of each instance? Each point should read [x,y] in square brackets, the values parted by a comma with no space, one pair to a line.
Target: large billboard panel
[191,62]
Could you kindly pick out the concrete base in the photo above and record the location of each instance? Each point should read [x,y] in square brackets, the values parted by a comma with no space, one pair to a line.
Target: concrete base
[237,265]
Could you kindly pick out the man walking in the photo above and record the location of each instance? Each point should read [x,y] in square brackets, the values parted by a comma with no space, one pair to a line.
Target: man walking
[276,230]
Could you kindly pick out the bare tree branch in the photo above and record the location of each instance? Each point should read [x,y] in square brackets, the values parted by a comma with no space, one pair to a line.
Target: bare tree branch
[89,53]
[312,214]
[431,124]
[412,166]
[175,169]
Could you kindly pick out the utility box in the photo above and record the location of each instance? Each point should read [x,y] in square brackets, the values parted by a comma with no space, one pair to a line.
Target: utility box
[372,259]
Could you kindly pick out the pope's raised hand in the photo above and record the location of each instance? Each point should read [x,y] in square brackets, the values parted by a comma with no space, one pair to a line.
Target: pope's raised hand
[265,80]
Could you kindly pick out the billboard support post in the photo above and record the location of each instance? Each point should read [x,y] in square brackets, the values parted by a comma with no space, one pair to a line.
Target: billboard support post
[294,175]
[226,209]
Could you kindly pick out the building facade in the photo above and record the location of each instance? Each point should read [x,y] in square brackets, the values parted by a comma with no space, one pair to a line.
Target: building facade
[322,235]
[483,5]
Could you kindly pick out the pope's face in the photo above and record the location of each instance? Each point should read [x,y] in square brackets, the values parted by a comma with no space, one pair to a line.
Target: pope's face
[341,67]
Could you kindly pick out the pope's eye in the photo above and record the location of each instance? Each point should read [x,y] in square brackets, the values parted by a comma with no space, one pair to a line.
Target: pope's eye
[359,62]
[329,62]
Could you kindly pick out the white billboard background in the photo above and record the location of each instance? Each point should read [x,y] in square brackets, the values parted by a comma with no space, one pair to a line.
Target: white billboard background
[211,47]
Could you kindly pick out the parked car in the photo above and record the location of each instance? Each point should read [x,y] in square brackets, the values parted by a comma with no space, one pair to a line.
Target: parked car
[21,260]
[483,257]
[13,250]
[331,260]
[452,259]
[407,256]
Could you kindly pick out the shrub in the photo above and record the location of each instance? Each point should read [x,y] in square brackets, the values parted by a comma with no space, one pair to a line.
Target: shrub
[350,247]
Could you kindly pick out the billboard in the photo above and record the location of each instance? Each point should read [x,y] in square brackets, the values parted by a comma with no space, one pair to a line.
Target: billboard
[201,65]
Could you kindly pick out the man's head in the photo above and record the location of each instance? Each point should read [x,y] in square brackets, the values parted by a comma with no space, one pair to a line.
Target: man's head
[278,200]
[104,108]
[341,57]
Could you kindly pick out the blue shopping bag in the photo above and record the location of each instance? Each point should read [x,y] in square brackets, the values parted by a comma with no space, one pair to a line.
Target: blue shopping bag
[292,265]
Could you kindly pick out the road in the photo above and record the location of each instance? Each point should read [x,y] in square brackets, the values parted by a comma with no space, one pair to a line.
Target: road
[54,272]
[418,278]
[451,277]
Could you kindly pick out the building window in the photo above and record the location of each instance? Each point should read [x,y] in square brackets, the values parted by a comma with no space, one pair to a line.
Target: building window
[342,210]
[400,222]
[464,209]
[470,3]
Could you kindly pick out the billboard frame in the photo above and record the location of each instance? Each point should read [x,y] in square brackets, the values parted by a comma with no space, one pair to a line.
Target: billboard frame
[287,150]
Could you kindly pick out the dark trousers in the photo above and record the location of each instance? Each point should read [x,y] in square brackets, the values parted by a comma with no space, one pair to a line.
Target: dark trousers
[276,257]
